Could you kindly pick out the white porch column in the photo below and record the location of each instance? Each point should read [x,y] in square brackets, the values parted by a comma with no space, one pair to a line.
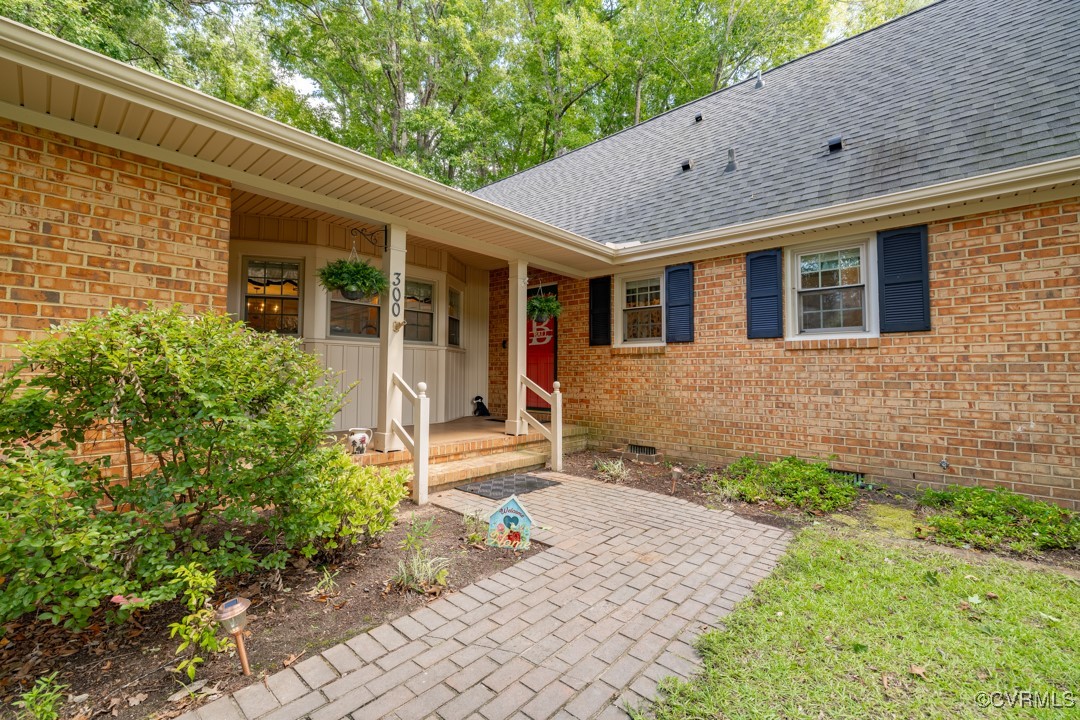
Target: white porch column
[391,340]
[515,345]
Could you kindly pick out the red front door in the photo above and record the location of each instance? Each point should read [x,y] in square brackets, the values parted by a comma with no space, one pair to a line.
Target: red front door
[541,357]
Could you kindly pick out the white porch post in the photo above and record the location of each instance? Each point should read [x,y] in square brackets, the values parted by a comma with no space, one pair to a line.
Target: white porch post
[515,391]
[391,340]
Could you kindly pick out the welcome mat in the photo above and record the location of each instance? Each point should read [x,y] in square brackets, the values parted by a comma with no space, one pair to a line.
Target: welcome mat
[503,487]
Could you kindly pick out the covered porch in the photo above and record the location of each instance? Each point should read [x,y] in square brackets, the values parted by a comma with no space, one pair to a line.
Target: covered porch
[411,362]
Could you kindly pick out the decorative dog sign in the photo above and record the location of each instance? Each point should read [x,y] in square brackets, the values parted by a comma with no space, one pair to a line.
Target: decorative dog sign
[510,525]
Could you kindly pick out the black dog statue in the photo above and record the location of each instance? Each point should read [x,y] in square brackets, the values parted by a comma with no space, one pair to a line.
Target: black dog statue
[481,408]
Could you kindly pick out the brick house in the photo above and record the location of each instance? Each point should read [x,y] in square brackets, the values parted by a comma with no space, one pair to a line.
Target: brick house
[869,253]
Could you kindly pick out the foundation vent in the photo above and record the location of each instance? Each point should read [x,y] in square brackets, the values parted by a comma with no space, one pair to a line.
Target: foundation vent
[641,449]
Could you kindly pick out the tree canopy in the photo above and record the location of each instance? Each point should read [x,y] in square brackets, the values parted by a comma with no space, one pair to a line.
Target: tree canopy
[463,91]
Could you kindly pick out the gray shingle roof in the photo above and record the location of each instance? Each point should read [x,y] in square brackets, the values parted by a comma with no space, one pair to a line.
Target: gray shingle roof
[957,89]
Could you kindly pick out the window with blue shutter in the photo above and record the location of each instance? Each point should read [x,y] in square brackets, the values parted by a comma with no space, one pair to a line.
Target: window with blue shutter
[904,280]
[600,311]
[679,287]
[764,294]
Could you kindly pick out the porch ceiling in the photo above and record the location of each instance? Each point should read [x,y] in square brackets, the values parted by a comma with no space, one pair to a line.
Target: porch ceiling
[62,87]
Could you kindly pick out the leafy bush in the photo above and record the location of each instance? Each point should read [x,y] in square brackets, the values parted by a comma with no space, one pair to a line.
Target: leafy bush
[988,519]
[217,430]
[789,482]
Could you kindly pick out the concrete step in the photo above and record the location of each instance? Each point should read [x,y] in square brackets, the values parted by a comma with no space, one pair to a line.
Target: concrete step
[458,472]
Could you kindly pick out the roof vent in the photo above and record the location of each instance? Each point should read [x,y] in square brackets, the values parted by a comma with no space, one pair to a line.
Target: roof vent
[687,164]
[759,84]
[731,164]
[697,118]
[836,144]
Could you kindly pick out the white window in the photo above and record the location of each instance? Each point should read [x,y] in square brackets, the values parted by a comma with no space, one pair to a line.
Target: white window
[832,290]
[419,311]
[272,295]
[453,314]
[641,310]
[354,318]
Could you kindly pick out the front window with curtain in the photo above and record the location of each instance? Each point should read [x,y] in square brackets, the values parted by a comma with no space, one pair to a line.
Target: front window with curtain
[832,291]
[642,312]
[354,318]
[419,311]
[272,296]
[453,313]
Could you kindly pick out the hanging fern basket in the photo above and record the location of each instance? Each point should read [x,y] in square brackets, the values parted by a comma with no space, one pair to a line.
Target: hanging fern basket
[541,307]
[353,278]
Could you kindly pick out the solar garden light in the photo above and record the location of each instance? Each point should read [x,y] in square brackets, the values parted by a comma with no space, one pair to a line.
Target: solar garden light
[232,616]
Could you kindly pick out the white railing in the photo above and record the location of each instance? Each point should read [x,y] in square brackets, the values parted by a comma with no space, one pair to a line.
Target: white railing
[419,442]
[554,433]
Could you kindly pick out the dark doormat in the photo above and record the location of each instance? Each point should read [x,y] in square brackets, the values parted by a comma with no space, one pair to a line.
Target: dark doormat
[503,487]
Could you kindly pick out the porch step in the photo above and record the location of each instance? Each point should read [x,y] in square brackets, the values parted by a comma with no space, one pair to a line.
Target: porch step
[448,474]
[574,439]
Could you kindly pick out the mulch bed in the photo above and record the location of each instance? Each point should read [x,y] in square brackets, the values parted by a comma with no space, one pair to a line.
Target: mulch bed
[124,670]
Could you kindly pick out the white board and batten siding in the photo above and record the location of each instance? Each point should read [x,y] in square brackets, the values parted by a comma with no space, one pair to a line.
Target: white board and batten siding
[454,375]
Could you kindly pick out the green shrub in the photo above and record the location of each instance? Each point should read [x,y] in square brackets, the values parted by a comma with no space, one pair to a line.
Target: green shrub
[989,519]
[789,482]
[222,462]
[43,701]
[198,631]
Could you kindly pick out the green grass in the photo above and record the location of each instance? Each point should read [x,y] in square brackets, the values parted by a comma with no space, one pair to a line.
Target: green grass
[842,617]
[998,519]
[789,482]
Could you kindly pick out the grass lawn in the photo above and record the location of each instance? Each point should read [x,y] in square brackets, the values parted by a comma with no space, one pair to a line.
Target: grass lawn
[854,627]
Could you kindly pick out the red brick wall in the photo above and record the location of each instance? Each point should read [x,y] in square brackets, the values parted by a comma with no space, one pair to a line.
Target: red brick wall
[84,227]
[994,387]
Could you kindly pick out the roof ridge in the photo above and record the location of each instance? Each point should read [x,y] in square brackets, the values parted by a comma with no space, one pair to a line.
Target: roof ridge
[714,93]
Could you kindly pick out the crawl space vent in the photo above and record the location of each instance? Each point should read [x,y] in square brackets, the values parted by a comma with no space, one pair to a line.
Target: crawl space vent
[641,449]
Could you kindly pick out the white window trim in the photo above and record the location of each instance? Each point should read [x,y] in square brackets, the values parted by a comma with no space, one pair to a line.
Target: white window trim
[620,300]
[871,311]
[243,276]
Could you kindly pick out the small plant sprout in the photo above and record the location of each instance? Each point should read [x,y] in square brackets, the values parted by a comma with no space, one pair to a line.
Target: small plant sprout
[198,630]
[326,586]
[419,571]
[43,701]
[612,471]
[475,528]
[418,532]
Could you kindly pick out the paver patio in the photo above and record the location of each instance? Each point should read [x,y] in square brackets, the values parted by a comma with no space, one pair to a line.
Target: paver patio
[578,631]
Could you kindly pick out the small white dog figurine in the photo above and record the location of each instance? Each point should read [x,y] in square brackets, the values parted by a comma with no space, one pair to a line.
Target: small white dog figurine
[359,439]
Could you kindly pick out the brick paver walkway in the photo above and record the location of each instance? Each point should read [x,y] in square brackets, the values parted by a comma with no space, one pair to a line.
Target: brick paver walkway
[577,631]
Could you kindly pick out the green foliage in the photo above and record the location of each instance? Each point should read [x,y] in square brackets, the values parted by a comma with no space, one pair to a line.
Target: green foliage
[476,528]
[612,470]
[464,91]
[221,430]
[198,631]
[353,276]
[999,518]
[43,701]
[789,482]
[840,627]
[542,306]
[419,571]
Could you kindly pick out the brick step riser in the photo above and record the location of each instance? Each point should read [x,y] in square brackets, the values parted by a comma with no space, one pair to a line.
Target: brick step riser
[541,448]
[454,452]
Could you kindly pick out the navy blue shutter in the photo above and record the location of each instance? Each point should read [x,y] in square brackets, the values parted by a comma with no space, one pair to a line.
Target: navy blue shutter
[679,303]
[904,280]
[764,294]
[600,311]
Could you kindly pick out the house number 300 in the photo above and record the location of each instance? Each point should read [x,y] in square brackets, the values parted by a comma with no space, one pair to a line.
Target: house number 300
[395,296]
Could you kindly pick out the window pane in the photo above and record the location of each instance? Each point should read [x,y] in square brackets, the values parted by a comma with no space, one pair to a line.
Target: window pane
[418,296]
[642,293]
[419,326]
[832,309]
[643,324]
[272,301]
[454,309]
[835,268]
[453,332]
[357,319]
